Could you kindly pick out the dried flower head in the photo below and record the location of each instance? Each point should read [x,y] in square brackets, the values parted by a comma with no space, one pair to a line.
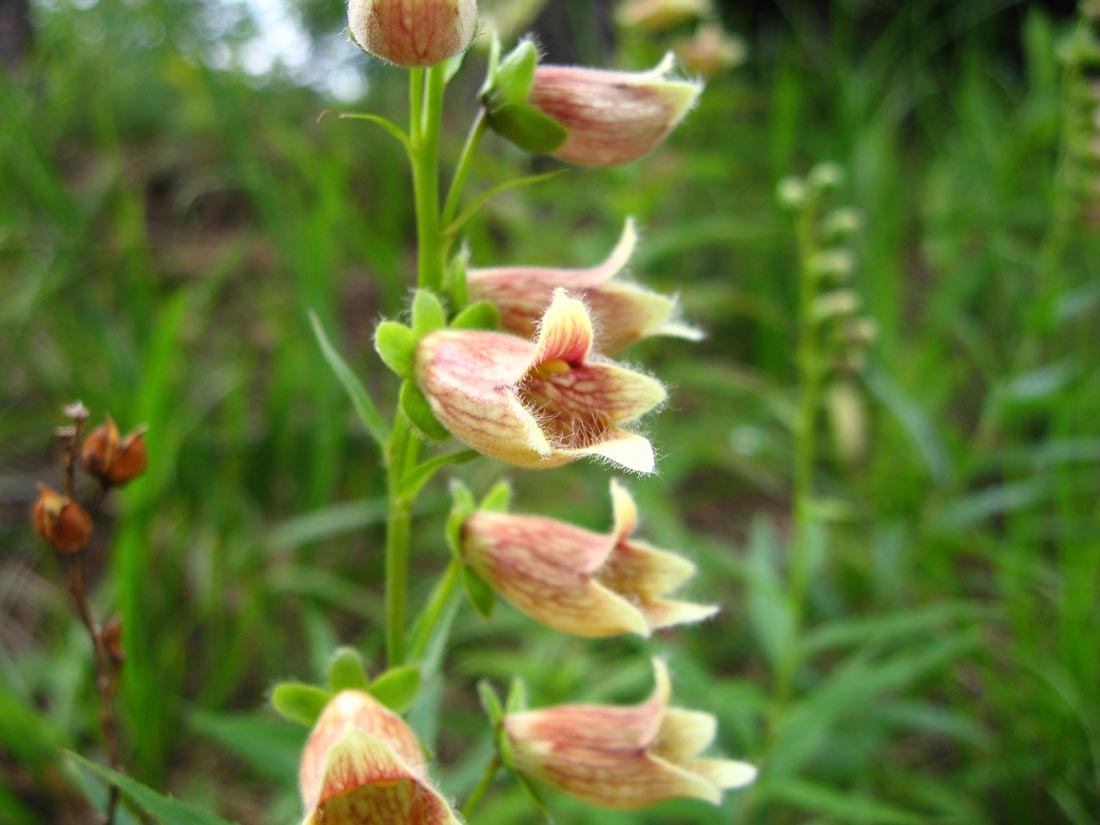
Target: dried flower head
[61,521]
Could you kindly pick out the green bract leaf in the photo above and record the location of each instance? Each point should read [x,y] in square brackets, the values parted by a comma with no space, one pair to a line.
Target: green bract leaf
[482,315]
[461,510]
[514,78]
[517,697]
[528,128]
[498,499]
[397,687]
[299,702]
[479,592]
[428,314]
[456,277]
[534,797]
[452,65]
[346,671]
[396,346]
[372,419]
[420,413]
[491,702]
[164,809]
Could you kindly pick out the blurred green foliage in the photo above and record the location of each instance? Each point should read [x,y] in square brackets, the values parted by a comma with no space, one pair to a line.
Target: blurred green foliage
[165,228]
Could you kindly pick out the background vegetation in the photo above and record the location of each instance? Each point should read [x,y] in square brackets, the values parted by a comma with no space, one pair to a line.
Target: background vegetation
[167,220]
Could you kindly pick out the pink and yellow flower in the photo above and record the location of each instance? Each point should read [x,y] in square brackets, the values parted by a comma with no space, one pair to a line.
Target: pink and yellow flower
[413,32]
[577,581]
[363,765]
[612,117]
[625,757]
[622,312]
[540,403]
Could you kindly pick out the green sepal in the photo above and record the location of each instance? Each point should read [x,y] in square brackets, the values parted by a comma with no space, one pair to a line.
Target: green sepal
[479,592]
[346,671]
[397,687]
[456,277]
[498,499]
[451,66]
[515,76]
[395,344]
[420,413]
[490,702]
[462,508]
[482,315]
[428,314]
[517,696]
[528,128]
[298,702]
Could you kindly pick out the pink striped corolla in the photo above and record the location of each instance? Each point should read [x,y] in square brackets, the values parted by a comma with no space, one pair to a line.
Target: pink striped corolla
[362,765]
[622,312]
[625,757]
[578,581]
[413,32]
[538,403]
[612,117]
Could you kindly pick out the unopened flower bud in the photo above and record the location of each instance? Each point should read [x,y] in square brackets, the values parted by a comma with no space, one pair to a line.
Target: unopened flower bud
[833,264]
[412,32]
[711,50]
[653,15]
[848,420]
[841,224]
[837,304]
[61,521]
[114,460]
[612,117]
[791,193]
[826,177]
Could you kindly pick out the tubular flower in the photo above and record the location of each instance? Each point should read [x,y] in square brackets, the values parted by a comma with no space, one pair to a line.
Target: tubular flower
[580,582]
[622,312]
[540,403]
[412,32]
[363,765]
[625,757]
[612,117]
[652,15]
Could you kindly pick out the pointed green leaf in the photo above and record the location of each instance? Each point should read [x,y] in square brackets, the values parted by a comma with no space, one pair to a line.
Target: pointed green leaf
[457,287]
[424,472]
[534,796]
[498,499]
[165,809]
[346,671]
[397,687]
[528,128]
[420,413]
[517,697]
[514,78]
[490,702]
[482,315]
[395,344]
[299,702]
[428,314]
[360,398]
[479,592]
[462,508]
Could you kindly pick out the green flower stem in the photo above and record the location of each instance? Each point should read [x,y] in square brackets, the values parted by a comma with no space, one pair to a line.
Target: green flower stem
[465,164]
[483,785]
[434,609]
[811,378]
[401,455]
[427,88]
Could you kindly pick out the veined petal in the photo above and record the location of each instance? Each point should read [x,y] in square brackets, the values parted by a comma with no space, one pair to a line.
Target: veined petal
[726,774]
[625,511]
[565,333]
[627,449]
[626,313]
[637,568]
[684,733]
[663,613]
[543,567]
[364,782]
